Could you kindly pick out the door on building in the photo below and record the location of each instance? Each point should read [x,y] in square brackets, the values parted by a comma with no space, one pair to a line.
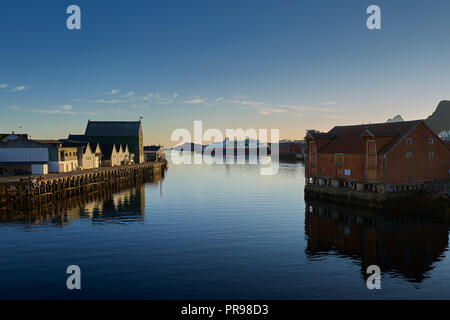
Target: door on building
[339,159]
[371,161]
[409,157]
[313,159]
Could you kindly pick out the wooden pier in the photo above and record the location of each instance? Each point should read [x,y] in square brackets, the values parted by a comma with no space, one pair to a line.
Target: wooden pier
[34,191]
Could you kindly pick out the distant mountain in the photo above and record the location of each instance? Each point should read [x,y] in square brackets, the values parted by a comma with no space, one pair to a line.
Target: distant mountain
[187,147]
[397,118]
[440,119]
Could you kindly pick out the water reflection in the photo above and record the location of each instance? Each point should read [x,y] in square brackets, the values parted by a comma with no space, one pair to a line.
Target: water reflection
[407,247]
[121,203]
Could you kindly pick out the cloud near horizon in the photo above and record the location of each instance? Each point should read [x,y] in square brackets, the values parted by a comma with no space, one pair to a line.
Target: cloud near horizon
[127,95]
[64,109]
[195,101]
[106,101]
[18,88]
[328,103]
[13,89]
[265,108]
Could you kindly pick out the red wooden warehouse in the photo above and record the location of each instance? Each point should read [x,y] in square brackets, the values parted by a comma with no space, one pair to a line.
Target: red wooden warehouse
[384,153]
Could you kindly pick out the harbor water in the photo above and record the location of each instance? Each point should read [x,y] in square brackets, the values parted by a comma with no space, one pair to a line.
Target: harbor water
[220,232]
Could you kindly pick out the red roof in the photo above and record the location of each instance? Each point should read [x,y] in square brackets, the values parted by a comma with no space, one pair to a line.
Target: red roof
[347,139]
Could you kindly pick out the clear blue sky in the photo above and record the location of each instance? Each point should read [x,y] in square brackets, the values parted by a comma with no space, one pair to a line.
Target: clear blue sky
[292,65]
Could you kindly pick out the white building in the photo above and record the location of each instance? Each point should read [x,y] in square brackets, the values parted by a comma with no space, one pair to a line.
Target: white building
[89,154]
[23,156]
[62,158]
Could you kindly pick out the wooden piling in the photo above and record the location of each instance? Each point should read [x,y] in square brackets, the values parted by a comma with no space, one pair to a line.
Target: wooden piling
[31,191]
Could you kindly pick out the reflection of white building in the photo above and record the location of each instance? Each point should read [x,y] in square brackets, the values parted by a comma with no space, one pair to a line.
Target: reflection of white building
[93,207]
[122,198]
[445,135]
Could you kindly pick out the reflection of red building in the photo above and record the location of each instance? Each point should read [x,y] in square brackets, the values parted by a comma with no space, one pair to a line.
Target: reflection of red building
[406,246]
[388,153]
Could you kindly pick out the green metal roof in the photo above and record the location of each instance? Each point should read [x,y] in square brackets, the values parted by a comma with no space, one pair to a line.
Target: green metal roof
[113,129]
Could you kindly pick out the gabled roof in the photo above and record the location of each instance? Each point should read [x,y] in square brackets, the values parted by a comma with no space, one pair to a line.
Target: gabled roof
[319,135]
[152,148]
[72,143]
[107,150]
[22,143]
[113,128]
[77,137]
[80,143]
[53,142]
[347,139]
[94,147]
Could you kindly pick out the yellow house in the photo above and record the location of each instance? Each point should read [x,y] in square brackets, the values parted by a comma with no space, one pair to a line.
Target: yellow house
[89,156]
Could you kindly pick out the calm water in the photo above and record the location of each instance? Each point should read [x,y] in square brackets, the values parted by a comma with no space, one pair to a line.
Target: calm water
[220,232]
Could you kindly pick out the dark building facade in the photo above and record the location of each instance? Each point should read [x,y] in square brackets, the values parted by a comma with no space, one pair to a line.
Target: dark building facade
[116,132]
[154,153]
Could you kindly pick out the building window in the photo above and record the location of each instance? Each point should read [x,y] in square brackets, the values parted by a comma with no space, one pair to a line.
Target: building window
[409,141]
[430,155]
[430,141]
[409,155]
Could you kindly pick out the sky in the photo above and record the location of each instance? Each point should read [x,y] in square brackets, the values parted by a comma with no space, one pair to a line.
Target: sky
[287,65]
